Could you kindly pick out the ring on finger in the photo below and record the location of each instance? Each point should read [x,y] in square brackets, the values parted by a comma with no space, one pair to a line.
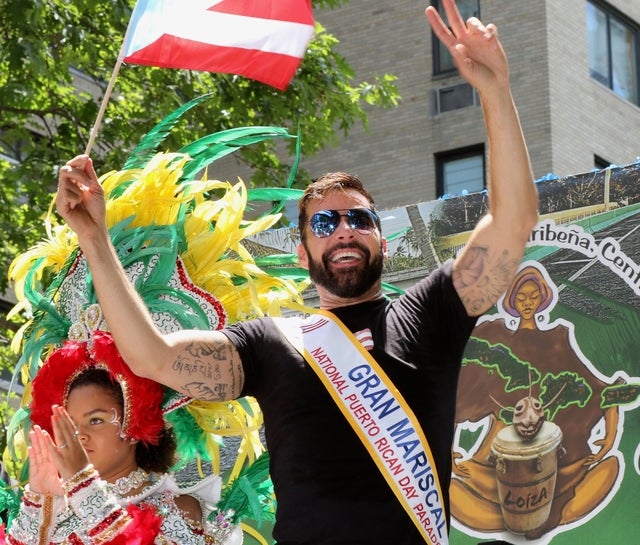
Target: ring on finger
[64,445]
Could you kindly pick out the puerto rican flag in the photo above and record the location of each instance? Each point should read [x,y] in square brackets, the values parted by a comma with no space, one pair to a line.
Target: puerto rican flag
[263,40]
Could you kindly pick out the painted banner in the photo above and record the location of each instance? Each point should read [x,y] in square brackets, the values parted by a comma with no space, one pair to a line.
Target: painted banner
[548,441]
[547,446]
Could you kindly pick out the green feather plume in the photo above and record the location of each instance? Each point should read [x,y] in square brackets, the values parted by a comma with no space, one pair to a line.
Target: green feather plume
[210,148]
[250,494]
[149,144]
[9,503]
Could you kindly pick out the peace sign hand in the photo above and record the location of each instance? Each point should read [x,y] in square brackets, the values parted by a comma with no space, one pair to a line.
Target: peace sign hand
[475,48]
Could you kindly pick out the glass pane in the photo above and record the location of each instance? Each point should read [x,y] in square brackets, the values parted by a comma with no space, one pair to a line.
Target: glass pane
[455,97]
[623,62]
[445,62]
[464,174]
[598,44]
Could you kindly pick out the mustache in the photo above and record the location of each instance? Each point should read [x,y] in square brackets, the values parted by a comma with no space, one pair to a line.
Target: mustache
[346,246]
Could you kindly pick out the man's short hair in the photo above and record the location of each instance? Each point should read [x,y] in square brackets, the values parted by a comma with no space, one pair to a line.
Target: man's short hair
[322,186]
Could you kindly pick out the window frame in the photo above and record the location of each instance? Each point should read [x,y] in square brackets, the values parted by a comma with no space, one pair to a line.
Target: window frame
[442,158]
[610,14]
[600,163]
[437,47]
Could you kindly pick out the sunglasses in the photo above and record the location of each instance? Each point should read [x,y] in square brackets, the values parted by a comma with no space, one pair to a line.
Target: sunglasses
[324,222]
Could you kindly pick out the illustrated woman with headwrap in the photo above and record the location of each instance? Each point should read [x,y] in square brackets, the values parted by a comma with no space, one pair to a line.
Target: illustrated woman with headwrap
[584,478]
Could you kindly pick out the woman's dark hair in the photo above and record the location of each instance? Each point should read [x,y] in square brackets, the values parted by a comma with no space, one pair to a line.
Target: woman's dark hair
[159,457]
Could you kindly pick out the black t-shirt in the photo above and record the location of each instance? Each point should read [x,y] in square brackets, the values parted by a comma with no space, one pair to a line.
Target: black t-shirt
[329,491]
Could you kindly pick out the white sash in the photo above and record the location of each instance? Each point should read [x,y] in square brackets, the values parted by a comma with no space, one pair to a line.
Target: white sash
[377,412]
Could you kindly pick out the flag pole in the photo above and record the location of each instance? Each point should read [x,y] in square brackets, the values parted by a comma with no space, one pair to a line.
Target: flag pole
[107,94]
[103,106]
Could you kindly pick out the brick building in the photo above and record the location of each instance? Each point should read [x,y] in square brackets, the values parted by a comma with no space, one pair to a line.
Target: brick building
[575,69]
[575,77]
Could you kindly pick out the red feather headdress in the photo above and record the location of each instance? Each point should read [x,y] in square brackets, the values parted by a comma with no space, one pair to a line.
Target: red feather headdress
[142,413]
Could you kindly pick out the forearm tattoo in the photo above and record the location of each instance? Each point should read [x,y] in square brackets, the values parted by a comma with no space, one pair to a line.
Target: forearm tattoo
[211,372]
[481,277]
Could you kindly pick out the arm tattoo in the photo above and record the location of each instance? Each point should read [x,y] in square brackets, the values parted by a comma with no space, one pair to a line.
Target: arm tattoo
[481,277]
[212,372]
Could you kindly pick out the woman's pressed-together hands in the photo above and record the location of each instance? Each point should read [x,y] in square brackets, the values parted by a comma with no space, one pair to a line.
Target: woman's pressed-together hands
[54,460]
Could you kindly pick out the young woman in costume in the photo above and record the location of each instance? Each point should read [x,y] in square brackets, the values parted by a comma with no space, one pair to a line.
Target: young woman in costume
[182,241]
[99,458]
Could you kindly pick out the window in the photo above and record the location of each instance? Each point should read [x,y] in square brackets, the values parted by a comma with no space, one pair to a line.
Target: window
[4,157]
[599,163]
[454,97]
[460,171]
[16,143]
[613,51]
[7,153]
[442,61]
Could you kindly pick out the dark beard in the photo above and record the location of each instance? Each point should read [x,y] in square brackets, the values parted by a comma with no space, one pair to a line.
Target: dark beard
[347,283]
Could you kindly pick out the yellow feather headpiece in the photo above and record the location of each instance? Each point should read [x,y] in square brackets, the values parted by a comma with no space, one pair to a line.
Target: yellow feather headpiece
[184,252]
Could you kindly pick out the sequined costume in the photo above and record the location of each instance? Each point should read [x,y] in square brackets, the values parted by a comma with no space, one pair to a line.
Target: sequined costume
[92,512]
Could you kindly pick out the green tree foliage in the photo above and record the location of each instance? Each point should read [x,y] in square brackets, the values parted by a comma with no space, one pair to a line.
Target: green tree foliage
[56,58]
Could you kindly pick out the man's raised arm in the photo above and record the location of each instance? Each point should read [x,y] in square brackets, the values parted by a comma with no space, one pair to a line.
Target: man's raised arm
[200,364]
[485,267]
